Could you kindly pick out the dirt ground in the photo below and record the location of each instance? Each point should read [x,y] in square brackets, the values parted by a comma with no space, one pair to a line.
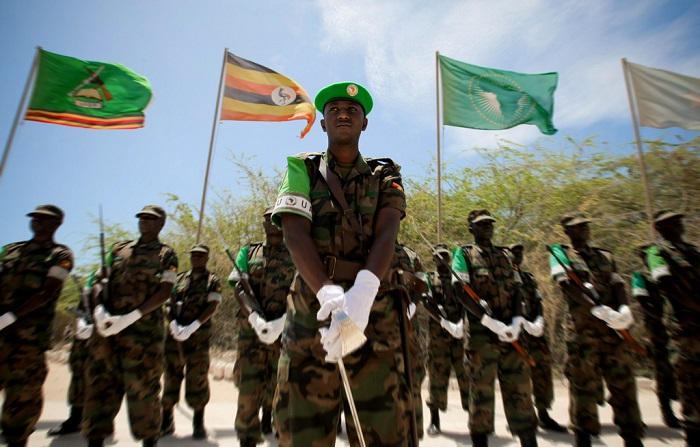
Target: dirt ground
[220,414]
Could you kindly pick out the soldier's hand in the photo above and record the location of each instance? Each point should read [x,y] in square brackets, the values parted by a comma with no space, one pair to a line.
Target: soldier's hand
[118,323]
[259,324]
[272,330]
[102,318]
[512,331]
[535,328]
[186,332]
[7,319]
[602,312]
[331,297]
[411,310]
[174,328]
[495,326]
[359,298]
[83,330]
[622,319]
[456,330]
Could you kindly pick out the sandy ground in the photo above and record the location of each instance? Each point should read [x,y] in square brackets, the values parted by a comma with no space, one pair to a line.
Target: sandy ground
[220,414]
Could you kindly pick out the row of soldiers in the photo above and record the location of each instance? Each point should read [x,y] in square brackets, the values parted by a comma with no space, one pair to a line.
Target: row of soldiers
[338,215]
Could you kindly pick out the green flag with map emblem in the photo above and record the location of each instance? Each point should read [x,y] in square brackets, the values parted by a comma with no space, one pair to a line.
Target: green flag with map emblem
[484,98]
[79,93]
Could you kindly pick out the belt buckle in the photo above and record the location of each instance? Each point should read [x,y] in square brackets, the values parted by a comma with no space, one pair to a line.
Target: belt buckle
[330,263]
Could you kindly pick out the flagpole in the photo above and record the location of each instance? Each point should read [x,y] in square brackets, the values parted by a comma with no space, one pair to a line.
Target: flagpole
[439,180]
[211,147]
[22,101]
[640,152]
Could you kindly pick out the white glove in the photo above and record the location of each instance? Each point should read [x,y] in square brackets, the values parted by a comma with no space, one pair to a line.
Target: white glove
[622,319]
[257,322]
[7,319]
[455,329]
[411,310]
[175,328]
[187,331]
[331,297]
[120,322]
[359,298]
[332,344]
[512,331]
[102,319]
[272,330]
[535,328]
[602,312]
[83,330]
[495,326]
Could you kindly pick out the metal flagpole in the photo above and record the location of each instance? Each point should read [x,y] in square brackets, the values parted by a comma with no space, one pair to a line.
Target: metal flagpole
[211,147]
[20,109]
[439,181]
[640,152]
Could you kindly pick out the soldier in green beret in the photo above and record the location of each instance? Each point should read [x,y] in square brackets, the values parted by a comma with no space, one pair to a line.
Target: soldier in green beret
[340,213]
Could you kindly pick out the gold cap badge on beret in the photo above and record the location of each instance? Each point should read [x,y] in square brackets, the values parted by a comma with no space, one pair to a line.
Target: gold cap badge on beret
[344,90]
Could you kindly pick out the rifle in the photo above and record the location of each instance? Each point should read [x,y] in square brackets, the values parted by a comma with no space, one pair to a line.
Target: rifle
[479,302]
[405,334]
[596,302]
[104,277]
[84,301]
[245,300]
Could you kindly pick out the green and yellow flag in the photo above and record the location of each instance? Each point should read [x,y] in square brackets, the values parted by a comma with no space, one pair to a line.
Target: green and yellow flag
[96,95]
[484,98]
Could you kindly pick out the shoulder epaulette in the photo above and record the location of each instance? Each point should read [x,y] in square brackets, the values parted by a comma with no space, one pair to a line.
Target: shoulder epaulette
[305,155]
[383,162]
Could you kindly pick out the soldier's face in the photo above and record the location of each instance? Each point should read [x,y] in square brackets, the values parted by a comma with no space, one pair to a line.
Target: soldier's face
[580,232]
[482,230]
[44,225]
[517,255]
[670,228]
[198,259]
[343,120]
[150,225]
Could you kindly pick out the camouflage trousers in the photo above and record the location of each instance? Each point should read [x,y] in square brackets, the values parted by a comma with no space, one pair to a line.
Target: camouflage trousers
[490,359]
[607,355]
[128,364]
[541,373]
[78,360]
[188,361]
[666,387]
[22,374]
[255,375]
[687,366]
[309,395]
[446,353]
[418,369]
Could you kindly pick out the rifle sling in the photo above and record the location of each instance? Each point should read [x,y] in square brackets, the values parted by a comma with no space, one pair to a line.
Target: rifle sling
[333,182]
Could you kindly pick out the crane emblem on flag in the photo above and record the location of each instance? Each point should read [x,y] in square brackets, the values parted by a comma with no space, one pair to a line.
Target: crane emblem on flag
[500,100]
[283,95]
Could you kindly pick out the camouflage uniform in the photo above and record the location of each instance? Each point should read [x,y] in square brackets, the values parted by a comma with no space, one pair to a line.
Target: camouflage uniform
[491,274]
[445,352]
[130,362]
[270,269]
[656,319]
[309,389]
[189,360]
[536,347]
[24,266]
[681,261]
[594,348]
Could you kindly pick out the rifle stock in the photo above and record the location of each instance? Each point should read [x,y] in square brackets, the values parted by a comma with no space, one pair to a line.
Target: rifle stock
[246,302]
[624,333]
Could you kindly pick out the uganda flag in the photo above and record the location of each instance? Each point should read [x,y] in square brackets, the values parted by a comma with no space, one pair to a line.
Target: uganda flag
[96,95]
[256,93]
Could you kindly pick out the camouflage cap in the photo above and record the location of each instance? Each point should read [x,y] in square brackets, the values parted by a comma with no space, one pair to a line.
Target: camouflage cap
[662,215]
[200,248]
[344,90]
[152,210]
[47,211]
[268,211]
[440,249]
[571,219]
[479,215]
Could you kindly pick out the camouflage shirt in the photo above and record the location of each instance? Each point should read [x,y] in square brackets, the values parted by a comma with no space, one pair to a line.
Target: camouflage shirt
[532,299]
[490,272]
[195,292]
[24,267]
[137,270]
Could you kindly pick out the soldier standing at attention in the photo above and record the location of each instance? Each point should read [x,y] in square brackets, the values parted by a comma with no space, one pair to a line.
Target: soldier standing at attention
[675,267]
[489,270]
[32,274]
[593,345]
[445,343]
[535,343]
[340,213]
[127,357]
[268,268]
[656,320]
[195,297]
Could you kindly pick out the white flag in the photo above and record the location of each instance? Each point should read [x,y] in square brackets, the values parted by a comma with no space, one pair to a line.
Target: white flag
[665,99]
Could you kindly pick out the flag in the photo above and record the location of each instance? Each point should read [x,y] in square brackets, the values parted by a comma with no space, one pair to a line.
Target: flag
[557,257]
[256,93]
[665,99]
[79,93]
[484,98]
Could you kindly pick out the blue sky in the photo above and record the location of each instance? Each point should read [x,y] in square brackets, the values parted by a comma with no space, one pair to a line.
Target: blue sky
[388,46]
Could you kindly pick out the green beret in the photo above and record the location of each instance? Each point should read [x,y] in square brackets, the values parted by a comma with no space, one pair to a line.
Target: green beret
[344,90]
